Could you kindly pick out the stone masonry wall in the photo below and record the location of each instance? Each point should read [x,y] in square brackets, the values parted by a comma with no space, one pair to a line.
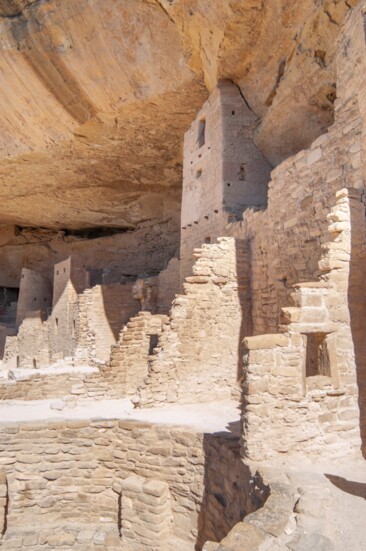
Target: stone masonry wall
[130,357]
[106,309]
[33,341]
[66,491]
[40,386]
[70,279]
[11,351]
[125,364]
[289,407]
[198,352]
[309,181]
[119,378]
[35,293]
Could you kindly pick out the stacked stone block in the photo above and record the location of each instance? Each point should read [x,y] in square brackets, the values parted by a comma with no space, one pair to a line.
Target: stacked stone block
[146,514]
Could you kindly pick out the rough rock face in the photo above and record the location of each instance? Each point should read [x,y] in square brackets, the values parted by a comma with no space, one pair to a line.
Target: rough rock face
[96,96]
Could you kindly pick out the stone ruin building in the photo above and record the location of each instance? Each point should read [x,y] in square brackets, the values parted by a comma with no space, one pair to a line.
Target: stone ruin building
[182,338]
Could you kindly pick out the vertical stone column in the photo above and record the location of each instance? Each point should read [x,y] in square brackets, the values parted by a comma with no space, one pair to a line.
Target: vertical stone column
[146,515]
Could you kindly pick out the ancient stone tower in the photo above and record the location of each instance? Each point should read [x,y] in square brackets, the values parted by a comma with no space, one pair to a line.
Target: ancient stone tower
[224,173]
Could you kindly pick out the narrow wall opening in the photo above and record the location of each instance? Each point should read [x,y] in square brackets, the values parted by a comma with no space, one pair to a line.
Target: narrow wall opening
[201,133]
[317,355]
[153,343]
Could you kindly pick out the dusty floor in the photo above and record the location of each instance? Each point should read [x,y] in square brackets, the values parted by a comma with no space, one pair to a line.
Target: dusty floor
[214,416]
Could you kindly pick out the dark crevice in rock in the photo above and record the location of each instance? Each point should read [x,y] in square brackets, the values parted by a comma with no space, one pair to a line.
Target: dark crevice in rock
[94,233]
[295,505]
[281,71]
[320,57]
[159,3]
[333,21]
[243,97]
[87,233]
[12,9]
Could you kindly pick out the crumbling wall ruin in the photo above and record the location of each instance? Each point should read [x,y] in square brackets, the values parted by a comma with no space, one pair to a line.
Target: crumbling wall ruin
[196,357]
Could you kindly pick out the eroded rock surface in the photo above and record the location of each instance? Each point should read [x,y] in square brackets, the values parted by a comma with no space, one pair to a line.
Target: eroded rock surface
[96,96]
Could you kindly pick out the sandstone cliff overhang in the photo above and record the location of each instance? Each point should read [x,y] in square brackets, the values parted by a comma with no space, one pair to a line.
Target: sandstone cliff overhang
[96,96]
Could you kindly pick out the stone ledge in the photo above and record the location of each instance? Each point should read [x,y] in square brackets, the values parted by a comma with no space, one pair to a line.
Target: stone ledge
[266,341]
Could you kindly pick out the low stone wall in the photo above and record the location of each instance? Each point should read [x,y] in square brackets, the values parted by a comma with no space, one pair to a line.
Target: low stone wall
[120,378]
[66,489]
[41,387]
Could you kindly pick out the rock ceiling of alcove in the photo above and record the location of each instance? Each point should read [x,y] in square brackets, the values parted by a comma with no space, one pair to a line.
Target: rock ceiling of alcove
[95,96]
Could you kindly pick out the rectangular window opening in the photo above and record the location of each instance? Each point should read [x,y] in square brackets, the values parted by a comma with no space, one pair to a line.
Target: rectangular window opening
[317,355]
[153,343]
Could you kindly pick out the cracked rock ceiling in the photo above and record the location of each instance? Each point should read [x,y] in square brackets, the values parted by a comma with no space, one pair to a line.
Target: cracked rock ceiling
[96,96]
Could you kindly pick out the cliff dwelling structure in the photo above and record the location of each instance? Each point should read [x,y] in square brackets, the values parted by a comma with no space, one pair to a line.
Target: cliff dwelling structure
[182,275]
